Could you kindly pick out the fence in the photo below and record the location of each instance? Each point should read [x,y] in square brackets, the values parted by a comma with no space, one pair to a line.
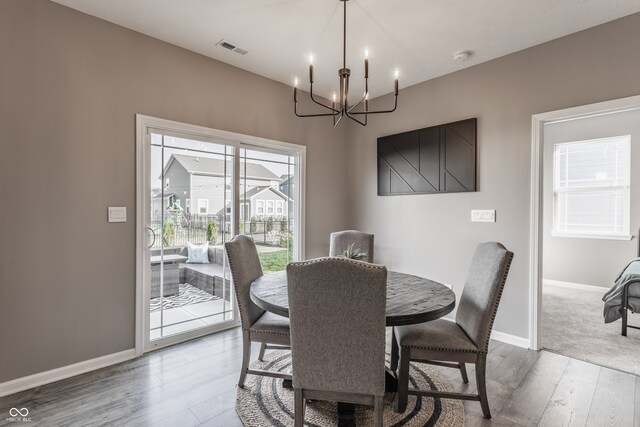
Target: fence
[268,231]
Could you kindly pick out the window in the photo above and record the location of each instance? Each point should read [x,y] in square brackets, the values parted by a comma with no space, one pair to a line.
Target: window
[591,188]
[259,207]
[188,203]
[279,207]
[203,206]
[269,207]
[167,183]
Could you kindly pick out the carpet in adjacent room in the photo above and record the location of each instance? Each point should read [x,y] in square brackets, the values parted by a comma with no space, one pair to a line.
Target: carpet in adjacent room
[572,325]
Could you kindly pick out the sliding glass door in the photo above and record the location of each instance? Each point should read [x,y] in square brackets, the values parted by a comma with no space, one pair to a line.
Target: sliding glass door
[202,187]
[268,204]
[190,189]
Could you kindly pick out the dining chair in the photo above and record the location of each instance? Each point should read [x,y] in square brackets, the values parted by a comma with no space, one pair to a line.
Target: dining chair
[341,240]
[258,325]
[337,312]
[452,344]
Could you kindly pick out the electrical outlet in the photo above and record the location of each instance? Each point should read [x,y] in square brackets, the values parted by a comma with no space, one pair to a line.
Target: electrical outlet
[483,215]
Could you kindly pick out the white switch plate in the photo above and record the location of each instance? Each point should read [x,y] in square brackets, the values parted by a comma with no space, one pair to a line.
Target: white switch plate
[483,215]
[117,214]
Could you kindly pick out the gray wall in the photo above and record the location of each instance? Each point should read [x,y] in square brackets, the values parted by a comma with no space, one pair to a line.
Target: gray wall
[432,234]
[70,86]
[594,262]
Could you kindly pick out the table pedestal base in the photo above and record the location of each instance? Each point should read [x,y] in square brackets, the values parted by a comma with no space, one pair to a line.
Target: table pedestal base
[347,411]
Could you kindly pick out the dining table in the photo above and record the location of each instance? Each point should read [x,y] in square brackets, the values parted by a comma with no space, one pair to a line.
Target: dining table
[410,300]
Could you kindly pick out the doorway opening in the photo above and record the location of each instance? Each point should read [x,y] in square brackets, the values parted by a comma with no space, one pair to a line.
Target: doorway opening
[585,209]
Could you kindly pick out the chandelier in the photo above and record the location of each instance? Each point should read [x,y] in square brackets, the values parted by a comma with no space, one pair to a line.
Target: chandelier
[340,108]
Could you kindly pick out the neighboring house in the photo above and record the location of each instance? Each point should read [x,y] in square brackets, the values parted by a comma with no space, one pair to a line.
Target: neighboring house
[287,187]
[262,202]
[199,185]
[160,201]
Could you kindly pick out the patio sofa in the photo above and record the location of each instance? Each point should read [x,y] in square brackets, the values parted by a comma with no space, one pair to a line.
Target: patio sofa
[206,277]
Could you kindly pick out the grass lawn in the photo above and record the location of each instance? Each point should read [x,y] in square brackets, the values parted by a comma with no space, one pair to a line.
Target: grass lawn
[274,261]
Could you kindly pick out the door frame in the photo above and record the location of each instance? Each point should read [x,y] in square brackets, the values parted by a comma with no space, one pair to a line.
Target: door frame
[538,121]
[143,125]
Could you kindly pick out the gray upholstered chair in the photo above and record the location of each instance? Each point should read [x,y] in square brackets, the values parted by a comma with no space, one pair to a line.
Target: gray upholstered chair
[337,312]
[341,240]
[258,325]
[450,344]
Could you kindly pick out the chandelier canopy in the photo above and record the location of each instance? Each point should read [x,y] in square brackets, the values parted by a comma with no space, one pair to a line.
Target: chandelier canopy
[341,107]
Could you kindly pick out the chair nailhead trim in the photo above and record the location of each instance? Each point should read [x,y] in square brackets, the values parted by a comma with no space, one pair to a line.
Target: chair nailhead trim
[341,259]
[457,350]
[505,273]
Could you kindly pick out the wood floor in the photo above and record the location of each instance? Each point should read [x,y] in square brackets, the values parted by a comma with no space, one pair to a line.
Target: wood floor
[195,384]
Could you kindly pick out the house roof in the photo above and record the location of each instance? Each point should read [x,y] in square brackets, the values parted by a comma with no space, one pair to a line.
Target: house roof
[208,166]
[257,190]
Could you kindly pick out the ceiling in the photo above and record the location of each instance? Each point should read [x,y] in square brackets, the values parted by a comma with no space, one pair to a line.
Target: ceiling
[419,37]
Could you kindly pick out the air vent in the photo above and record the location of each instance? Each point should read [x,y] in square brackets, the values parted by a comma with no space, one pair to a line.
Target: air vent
[230,46]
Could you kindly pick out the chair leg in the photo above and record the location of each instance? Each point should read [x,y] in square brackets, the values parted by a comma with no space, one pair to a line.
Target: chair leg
[298,409]
[378,410]
[394,351]
[481,367]
[263,348]
[463,372]
[246,355]
[624,320]
[403,380]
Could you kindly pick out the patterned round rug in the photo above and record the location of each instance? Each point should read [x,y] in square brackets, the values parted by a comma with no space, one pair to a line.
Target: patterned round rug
[263,401]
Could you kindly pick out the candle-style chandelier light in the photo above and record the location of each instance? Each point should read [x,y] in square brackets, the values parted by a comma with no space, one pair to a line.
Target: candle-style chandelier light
[340,108]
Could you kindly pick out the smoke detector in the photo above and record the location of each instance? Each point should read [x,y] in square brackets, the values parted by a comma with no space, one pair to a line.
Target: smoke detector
[462,55]
[230,46]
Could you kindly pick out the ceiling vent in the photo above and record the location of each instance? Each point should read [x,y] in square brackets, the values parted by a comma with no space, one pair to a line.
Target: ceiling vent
[230,46]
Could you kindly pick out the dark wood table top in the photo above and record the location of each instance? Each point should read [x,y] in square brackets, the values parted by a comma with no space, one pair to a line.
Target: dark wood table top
[410,299]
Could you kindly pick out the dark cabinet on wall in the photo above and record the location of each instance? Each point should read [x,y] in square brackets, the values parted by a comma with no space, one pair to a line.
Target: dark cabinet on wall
[437,159]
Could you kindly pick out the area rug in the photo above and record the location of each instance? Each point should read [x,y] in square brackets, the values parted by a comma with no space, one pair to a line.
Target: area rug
[263,401]
[187,295]
[572,325]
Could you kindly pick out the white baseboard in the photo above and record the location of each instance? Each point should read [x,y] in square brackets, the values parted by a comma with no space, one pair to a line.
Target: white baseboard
[503,337]
[570,285]
[510,339]
[35,380]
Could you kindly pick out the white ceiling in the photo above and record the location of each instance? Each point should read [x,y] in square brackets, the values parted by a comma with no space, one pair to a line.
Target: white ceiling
[417,36]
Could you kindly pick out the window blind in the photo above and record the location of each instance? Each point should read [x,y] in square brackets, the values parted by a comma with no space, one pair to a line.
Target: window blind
[591,187]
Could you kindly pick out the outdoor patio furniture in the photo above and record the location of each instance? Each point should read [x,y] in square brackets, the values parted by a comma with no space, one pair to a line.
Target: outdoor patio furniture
[170,266]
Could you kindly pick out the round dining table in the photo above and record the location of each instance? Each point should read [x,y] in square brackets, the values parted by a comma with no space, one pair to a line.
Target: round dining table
[410,300]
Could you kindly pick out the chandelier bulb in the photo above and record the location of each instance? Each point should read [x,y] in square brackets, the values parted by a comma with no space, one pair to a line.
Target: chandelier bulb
[366,53]
[396,73]
[311,59]
[295,82]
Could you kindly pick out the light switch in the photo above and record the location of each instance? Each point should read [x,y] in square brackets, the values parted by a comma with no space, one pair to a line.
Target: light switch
[483,215]
[117,214]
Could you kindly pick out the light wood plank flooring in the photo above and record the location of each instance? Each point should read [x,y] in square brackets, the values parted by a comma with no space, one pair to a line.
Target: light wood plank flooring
[195,384]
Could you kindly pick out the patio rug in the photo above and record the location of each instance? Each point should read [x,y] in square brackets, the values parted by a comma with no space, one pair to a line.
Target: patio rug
[264,402]
[187,294]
